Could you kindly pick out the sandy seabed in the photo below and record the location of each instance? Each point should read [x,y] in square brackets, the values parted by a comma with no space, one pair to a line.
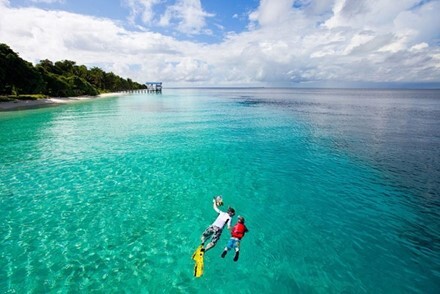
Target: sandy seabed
[26,104]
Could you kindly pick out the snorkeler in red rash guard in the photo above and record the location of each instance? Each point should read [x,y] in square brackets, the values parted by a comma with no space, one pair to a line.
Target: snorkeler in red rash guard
[237,233]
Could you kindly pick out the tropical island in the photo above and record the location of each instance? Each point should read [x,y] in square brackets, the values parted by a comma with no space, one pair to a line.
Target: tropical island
[21,80]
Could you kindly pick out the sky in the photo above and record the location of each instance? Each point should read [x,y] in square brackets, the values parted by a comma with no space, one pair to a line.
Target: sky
[263,43]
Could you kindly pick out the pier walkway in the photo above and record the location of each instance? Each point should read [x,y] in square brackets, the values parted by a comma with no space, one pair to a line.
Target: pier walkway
[152,87]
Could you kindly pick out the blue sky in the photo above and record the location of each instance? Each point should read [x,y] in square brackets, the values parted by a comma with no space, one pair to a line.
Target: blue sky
[294,43]
[222,17]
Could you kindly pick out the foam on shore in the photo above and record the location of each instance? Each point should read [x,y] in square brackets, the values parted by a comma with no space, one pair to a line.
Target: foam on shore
[26,104]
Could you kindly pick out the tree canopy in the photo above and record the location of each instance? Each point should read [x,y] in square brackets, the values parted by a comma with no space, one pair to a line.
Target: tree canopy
[61,79]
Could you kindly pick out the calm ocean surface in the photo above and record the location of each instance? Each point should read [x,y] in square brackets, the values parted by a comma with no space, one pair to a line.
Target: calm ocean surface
[340,190]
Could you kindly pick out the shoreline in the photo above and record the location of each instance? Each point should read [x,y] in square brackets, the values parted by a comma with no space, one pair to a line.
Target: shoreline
[51,101]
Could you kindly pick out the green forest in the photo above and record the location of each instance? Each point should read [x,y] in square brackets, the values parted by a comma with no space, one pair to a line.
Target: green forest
[20,79]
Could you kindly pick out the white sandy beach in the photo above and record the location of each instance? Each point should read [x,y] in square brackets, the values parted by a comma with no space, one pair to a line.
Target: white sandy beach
[26,104]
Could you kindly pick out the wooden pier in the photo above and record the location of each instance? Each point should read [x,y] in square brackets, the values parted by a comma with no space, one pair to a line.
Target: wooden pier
[152,87]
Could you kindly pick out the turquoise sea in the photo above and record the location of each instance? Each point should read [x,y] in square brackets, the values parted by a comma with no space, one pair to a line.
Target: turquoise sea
[340,190]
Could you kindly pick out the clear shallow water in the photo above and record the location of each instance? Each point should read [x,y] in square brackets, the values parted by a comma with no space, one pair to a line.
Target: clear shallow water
[340,190]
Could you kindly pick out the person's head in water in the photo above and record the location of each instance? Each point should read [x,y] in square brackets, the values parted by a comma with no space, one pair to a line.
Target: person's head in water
[231,211]
[240,219]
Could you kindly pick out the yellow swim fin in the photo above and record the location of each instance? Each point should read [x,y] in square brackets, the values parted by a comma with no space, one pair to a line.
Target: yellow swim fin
[198,258]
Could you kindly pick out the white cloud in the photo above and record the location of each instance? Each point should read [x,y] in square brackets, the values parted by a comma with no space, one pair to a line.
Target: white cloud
[419,47]
[186,16]
[335,41]
[144,8]
[420,23]
[271,12]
